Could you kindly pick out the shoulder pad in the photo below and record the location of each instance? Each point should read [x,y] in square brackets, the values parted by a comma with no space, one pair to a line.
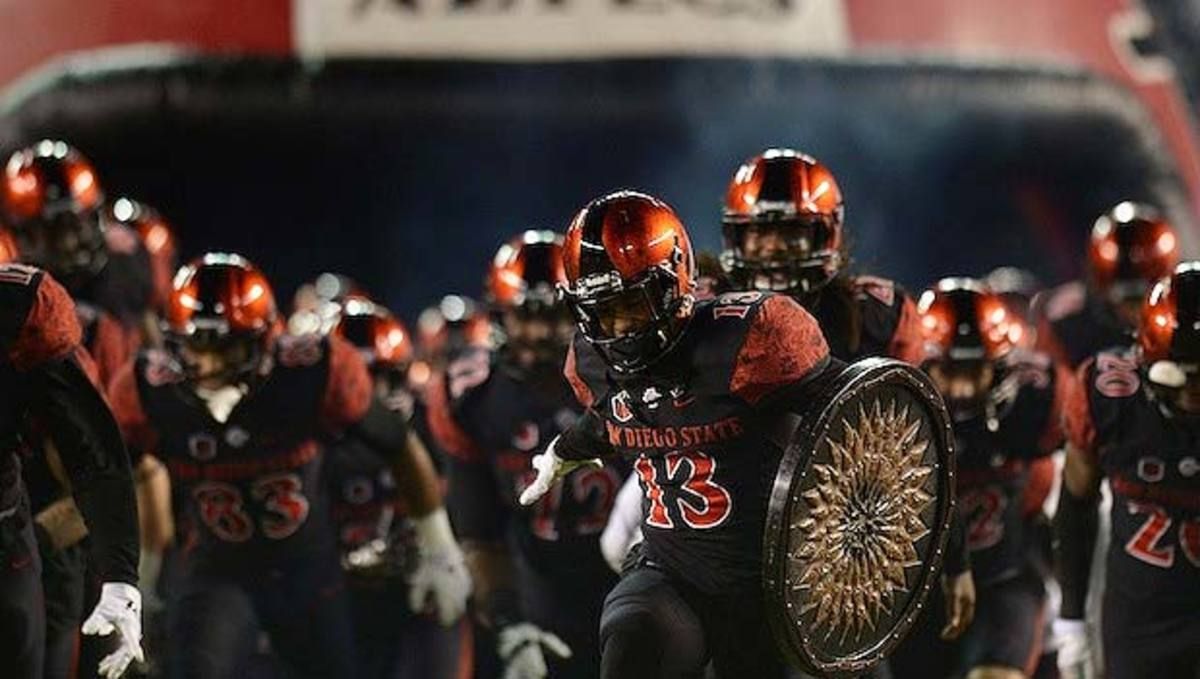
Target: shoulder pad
[467,371]
[1031,368]
[300,351]
[18,290]
[158,368]
[881,290]
[1065,300]
[735,304]
[120,239]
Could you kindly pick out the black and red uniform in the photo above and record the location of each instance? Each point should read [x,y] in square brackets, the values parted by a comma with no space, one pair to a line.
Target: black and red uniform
[261,544]
[1130,247]
[46,384]
[68,592]
[865,316]
[393,641]
[1151,457]
[1074,324]
[490,421]
[994,467]
[124,286]
[691,423]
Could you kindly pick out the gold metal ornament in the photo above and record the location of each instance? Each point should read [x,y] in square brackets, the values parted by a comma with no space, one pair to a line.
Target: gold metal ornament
[863,522]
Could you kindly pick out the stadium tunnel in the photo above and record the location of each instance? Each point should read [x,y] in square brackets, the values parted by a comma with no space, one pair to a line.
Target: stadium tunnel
[407,174]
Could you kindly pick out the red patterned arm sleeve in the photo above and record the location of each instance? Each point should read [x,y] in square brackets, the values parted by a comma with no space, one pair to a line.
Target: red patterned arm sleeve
[447,432]
[907,343]
[583,393]
[1077,412]
[51,330]
[784,344]
[349,390]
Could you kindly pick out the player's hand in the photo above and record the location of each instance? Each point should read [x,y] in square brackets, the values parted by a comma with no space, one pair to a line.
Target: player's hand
[959,591]
[1074,653]
[120,611]
[550,468]
[441,576]
[523,649]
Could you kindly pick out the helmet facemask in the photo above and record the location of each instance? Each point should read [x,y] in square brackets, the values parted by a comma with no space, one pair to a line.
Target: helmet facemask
[68,244]
[213,357]
[631,324]
[537,332]
[796,255]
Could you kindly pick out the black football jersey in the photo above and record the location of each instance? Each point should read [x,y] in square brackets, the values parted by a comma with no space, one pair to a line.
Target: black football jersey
[867,316]
[1073,325]
[252,484]
[124,287]
[1151,458]
[37,323]
[366,503]
[491,422]
[689,425]
[993,462]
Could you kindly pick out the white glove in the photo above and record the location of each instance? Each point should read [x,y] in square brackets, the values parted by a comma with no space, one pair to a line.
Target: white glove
[550,468]
[1074,654]
[441,573]
[520,647]
[120,609]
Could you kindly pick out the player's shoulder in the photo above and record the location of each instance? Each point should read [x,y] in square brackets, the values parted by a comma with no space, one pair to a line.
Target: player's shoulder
[1061,303]
[37,316]
[302,351]
[471,376]
[747,308]
[876,292]
[18,291]
[1033,370]
[154,368]
[881,306]
[721,325]
[121,240]
[1035,379]
[1114,386]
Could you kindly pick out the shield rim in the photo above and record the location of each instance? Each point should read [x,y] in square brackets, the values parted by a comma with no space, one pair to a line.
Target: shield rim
[794,465]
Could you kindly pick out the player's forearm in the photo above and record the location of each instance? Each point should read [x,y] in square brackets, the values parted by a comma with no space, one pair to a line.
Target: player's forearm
[1076,525]
[96,461]
[495,590]
[154,504]
[585,440]
[417,478]
[958,558]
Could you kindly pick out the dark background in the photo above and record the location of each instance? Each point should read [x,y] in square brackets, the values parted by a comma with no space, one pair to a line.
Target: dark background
[407,175]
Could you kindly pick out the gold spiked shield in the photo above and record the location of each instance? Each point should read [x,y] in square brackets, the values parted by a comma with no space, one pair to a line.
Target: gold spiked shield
[858,517]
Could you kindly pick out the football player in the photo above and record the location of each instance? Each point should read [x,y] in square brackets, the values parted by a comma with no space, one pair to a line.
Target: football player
[1130,247]
[374,530]
[1132,418]
[157,237]
[48,379]
[52,199]
[1006,404]
[50,196]
[541,578]
[238,411]
[675,384]
[783,231]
